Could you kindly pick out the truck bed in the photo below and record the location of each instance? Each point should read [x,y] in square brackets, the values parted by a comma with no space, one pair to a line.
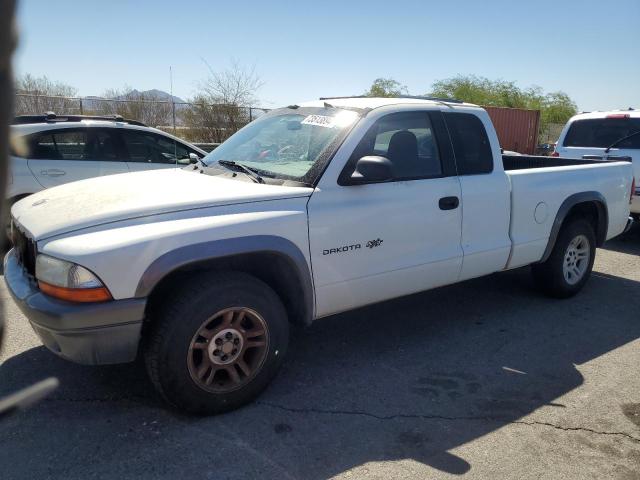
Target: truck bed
[540,185]
[520,162]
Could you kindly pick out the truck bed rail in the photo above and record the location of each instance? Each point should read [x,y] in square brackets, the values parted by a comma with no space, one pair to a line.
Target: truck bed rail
[521,162]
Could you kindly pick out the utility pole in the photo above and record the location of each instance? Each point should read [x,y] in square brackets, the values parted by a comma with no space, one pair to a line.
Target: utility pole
[173,103]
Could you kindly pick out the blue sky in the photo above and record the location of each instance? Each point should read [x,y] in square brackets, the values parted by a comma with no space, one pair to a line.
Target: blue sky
[303,50]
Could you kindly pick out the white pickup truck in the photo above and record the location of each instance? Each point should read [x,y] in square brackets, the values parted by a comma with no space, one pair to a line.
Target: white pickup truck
[311,210]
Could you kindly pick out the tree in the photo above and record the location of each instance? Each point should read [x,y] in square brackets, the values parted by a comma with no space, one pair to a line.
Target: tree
[36,95]
[132,104]
[555,107]
[386,87]
[222,106]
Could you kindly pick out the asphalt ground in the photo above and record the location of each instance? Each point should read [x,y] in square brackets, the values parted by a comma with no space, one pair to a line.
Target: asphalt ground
[483,379]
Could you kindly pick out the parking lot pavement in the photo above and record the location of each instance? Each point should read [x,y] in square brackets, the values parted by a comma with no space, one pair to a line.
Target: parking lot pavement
[485,379]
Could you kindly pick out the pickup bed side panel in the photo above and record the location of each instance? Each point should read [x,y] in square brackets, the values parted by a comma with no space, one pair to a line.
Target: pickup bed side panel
[537,195]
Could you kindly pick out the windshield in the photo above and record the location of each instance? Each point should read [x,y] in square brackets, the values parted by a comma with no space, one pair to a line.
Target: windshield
[289,143]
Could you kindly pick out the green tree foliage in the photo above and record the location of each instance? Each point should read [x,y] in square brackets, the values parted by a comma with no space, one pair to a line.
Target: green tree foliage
[555,107]
[386,87]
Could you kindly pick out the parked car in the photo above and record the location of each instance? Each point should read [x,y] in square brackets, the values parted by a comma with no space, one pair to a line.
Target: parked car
[61,149]
[308,211]
[545,149]
[612,135]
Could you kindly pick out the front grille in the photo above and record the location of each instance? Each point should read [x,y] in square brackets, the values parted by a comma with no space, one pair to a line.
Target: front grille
[25,249]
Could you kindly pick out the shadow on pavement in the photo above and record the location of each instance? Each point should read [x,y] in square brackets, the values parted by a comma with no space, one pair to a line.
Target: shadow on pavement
[627,243]
[411,378]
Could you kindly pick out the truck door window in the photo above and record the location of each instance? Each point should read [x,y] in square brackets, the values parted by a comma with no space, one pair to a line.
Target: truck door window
[470,143]
[405,138]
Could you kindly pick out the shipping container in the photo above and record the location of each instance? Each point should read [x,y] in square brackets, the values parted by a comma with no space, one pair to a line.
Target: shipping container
[517,128]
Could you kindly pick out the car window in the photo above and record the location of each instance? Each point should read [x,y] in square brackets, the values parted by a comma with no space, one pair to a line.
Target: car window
[602,132]
[470,142]
[407,140]
[60,145]
[152,148]
[102,146]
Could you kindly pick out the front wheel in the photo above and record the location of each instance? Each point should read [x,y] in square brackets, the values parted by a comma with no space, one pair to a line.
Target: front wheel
[568,267]
[216,342]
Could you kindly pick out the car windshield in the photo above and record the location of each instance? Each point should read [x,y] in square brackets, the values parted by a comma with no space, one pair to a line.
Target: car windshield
[289,144]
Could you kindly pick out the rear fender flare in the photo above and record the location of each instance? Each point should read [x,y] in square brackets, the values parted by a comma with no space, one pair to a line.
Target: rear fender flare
[595,198]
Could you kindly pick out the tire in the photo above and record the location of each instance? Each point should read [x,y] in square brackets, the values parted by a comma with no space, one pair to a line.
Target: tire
[564,273]
[208,329]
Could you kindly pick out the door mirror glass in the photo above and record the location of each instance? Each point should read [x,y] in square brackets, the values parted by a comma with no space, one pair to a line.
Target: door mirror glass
[372,169]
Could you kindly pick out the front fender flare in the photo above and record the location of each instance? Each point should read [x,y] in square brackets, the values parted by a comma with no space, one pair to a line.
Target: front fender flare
[218,249]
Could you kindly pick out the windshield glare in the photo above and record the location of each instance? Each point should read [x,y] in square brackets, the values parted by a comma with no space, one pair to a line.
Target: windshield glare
[285,143]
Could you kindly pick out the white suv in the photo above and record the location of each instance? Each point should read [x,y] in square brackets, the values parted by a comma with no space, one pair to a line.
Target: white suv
[51,150]
[612,135]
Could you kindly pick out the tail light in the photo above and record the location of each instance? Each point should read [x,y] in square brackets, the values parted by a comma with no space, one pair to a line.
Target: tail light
[633,189]
[555,154]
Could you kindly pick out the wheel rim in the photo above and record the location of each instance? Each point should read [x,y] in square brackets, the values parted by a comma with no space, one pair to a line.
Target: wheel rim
[576,259]
[228,350]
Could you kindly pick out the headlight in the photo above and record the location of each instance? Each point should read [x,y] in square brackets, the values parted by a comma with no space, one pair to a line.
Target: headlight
[68,281]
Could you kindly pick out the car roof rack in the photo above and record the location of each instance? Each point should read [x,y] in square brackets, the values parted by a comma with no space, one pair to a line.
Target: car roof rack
[51,117]
[414,97]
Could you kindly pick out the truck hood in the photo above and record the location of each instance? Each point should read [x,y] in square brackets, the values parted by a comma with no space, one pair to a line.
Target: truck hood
[113,198]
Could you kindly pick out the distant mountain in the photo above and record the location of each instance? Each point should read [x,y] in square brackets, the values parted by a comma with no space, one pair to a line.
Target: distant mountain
[153,94]
[92,102]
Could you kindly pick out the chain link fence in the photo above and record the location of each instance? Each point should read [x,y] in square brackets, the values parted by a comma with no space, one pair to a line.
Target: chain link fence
[195,122]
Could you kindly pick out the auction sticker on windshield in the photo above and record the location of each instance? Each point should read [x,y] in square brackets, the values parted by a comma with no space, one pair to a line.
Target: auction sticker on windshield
[319,121]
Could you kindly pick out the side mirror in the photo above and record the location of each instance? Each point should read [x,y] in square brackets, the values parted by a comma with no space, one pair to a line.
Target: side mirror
[193,158]
[372,169]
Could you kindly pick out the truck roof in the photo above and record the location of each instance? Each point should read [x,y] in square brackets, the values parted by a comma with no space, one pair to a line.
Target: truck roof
[377,102]
[629,113]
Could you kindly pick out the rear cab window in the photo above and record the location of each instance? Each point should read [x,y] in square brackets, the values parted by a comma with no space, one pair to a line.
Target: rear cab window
[471,145]
[602,132]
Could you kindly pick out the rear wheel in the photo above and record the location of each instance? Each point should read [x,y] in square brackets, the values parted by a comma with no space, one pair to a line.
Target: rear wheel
[216,343]
[568,267]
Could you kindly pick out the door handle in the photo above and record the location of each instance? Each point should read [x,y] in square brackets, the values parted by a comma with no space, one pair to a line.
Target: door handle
[52,172]
[448,203]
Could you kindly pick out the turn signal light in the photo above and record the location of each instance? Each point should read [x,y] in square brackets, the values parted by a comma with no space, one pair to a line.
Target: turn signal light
[78,295]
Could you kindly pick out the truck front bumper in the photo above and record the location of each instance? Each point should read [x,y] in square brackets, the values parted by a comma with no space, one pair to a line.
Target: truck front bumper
[87,333]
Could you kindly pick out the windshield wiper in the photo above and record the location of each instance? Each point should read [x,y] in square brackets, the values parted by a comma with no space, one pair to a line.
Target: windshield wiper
[244,169]
[621,140]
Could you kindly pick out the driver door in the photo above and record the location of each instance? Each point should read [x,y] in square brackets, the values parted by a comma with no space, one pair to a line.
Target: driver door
[377,241]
